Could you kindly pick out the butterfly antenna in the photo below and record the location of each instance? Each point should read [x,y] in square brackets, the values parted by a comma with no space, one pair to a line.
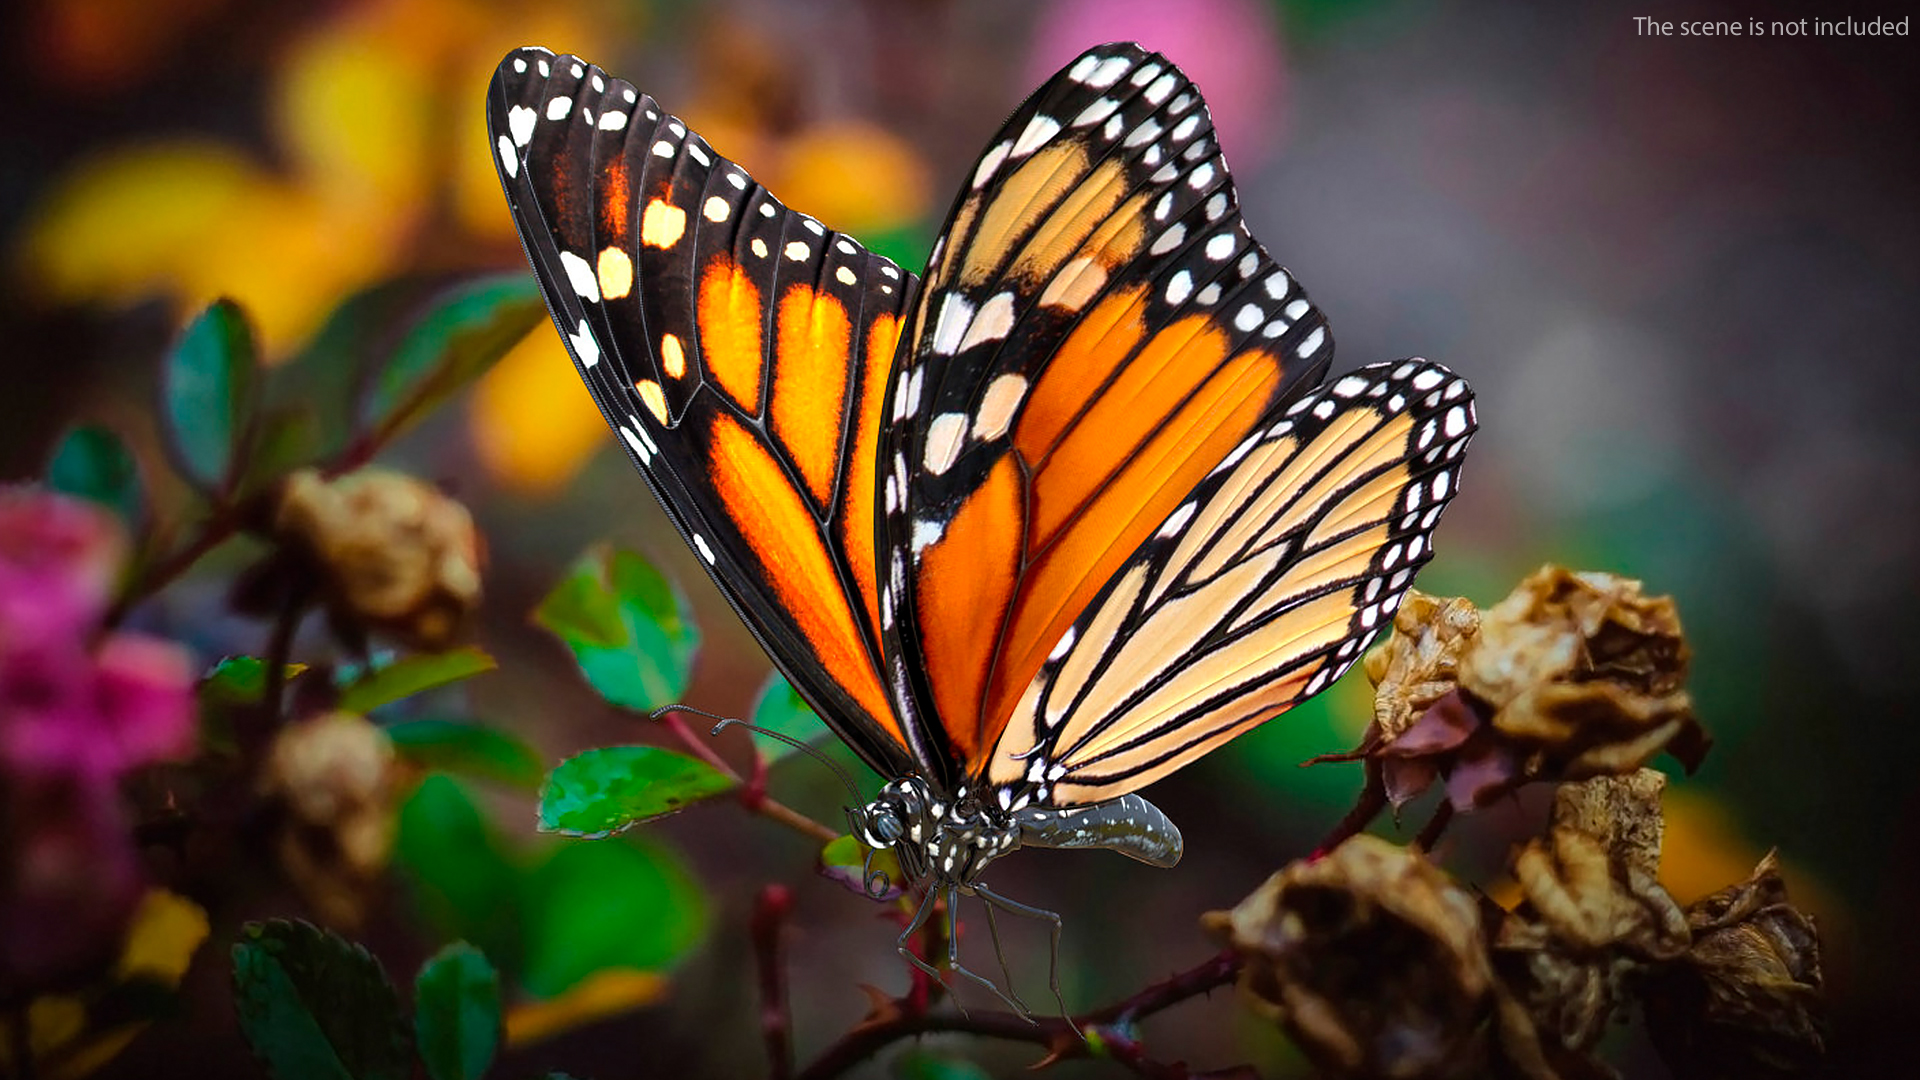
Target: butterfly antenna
[730,721]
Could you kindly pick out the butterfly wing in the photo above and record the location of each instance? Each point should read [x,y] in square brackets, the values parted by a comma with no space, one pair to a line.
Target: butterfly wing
[1255,593]
[1097,330]
[740,349]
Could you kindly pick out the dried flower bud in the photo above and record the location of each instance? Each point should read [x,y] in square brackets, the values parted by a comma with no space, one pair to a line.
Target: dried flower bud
[1371,958]
[1571,676]
[397,554]
[1589,671]
[1593,916]
[336,775]
[1745,1000]
[1420,663]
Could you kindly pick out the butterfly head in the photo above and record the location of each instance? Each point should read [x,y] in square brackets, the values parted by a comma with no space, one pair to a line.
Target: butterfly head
[948,837]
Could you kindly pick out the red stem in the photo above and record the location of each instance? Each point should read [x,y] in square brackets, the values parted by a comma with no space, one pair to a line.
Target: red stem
[756,801]
[770,911]
[1059,1035]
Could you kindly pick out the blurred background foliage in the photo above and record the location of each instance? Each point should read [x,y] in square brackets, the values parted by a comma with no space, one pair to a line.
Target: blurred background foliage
[1679,273]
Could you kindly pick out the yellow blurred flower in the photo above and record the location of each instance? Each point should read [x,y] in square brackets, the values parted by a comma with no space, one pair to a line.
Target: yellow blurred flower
[65,1039]
[533,423]
[377,113]
[600,995]
[855,177]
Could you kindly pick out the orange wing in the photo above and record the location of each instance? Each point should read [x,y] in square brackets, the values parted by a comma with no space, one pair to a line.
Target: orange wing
[1261,588]
[1098,330]
[740,349]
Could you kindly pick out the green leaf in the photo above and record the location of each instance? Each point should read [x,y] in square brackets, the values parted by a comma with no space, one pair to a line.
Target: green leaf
[454,343]
[630,630]
[456,1020]
[232,684]
[845,861]
[93,463]
[927,1065]
[208,391]
[239,680]
[476,750]
[459,877]
[413,674]
[604,791]
[615,904]
[316,1007]
[780,708]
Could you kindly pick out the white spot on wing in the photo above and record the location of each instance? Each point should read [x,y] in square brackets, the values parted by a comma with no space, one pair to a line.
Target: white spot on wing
[520,121]
[955,316]
[944,438]
[580,274]
[587,349]
[990,162]
[1037,132]
[991,323]
[1179,288]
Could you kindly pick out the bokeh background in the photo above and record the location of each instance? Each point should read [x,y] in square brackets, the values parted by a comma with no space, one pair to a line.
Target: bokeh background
[1679,272]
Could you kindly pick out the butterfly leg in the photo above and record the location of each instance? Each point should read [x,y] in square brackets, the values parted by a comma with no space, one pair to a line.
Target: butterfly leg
[1054,929]
[993,931]
[919,919]
[953,958]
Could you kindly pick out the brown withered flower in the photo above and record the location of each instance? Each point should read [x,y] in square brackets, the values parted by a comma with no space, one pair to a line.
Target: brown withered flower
[396,554]
[336,777]
[1745,1000]
[1593,916]
[1573,675]
[1371,959]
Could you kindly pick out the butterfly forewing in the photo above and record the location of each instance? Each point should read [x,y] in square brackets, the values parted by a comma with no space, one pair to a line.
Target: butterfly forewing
[740,349]
[1259,590]
[1098,330]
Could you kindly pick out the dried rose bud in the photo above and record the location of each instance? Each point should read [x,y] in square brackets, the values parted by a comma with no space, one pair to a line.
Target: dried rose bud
[1592,918]
[397,554]
[1571,676]
[336,774]
[1371,959]
[1420,662]
[1745,1000]
[1588,671]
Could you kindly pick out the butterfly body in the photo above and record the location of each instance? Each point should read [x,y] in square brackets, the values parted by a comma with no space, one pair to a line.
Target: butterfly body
[1033,529]
[949,840]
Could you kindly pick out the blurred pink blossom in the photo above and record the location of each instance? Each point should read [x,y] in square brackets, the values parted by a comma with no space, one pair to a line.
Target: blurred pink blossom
[1231,49]
[78,709]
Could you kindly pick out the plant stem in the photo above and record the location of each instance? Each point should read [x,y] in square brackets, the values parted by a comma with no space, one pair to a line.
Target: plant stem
[1060,1036]
[218,529]
[770,911]
[755,801]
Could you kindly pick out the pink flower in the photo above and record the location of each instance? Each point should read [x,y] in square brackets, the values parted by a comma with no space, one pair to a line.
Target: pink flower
[1231,49]
[78,710]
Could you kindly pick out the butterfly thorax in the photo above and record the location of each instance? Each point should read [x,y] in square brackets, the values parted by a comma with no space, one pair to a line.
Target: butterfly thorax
[949,837]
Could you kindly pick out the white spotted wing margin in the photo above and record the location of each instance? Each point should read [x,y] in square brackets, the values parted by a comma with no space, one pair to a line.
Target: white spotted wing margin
[1257,592]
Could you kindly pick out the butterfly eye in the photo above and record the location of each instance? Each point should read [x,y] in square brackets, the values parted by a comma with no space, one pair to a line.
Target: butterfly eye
[887,827]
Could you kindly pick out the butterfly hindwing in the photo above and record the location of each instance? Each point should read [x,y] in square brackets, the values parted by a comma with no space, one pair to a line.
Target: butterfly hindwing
[1097,330]
[1256,592]
[740,349]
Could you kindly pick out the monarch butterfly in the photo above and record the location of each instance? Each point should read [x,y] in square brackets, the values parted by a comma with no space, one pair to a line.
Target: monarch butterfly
[1029,531]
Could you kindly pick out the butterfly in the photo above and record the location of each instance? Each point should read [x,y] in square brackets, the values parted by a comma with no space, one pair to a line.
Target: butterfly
[1033,529]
